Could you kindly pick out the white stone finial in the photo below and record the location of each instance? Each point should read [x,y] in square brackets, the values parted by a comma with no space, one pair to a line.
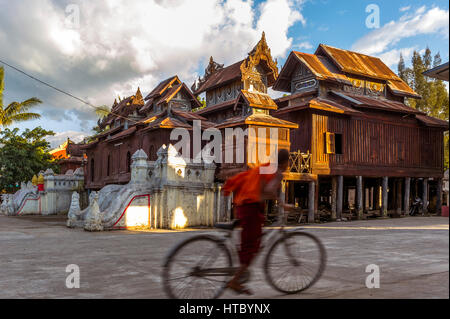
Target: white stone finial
[48,172]
[139,155]
[74,210]
[79,172]
[93,218]
[162,150]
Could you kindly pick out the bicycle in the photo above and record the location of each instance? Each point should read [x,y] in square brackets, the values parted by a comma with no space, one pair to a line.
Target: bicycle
[416,207]
[206,264]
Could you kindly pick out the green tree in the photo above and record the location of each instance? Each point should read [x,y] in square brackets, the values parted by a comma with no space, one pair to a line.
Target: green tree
[202,102]
[435,99]
[22,156]
[16,111]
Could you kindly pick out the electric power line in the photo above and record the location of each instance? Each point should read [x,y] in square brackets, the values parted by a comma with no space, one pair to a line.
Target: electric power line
[64,92]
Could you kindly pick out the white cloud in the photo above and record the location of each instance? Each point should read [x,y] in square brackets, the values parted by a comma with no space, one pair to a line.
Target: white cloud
[422,21]
[122,44]
[403,9]
[303,45]
[392,57]
[60,138]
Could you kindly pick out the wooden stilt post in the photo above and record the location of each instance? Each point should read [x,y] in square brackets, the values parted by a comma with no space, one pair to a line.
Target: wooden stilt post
[340,197]
[384,197]
[311,201]
[316,198]
[425,196]
[406,198]
[291,199]
[372,198]
[359,197]
[439,197]
[398,197]
[377,196]
[334,183]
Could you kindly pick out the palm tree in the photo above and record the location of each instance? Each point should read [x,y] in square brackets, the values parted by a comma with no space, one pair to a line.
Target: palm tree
[16,112]
[102,111]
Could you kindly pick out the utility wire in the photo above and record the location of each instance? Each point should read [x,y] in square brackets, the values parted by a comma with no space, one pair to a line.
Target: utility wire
[64,92]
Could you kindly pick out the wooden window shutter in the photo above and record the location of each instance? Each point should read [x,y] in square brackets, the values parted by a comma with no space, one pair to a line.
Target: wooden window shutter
[330,146]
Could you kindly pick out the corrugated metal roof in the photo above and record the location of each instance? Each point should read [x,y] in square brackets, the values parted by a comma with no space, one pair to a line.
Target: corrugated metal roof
[162,86]
[267,120]
[319,69]
[362,101]
[216,107]
[369,66]
[122,134]
[221,77]
[259,100]
[432,121]
[440,72]
[319,104]
[257,119]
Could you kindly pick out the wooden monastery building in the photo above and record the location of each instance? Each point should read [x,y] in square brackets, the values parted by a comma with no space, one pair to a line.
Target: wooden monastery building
[70,156]
[357,149]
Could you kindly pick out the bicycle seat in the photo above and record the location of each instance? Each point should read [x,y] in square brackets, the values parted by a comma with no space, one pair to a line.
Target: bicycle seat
[227,226]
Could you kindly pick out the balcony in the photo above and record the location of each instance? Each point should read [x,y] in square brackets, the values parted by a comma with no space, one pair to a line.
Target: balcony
[300,163]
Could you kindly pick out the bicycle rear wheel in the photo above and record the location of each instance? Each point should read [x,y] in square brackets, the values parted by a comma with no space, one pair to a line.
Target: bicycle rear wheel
[295,262]
[198,268]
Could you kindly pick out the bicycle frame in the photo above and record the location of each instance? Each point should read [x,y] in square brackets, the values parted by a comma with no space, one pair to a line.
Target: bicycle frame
[269,235]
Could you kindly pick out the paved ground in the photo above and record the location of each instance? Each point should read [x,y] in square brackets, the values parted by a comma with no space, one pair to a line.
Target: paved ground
[413,255]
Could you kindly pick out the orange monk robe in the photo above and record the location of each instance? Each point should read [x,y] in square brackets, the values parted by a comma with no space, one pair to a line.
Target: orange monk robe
[246,186]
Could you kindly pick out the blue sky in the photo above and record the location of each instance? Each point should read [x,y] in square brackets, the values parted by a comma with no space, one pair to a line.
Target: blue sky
[120,45]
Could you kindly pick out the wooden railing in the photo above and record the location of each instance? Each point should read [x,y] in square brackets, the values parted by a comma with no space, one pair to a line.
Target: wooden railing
[300,162]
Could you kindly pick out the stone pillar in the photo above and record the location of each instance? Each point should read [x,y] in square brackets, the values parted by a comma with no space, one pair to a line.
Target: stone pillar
[49,205]
[340,197]
[139,167]
[311,201]
[407,195]
[359,197]
[425,196]
[439,197]
[333,197]
[398,195]
[384,197]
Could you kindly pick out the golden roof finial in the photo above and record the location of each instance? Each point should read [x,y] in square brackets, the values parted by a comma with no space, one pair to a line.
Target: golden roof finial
[138,93]
[40,179]
[34,180]
[138,97]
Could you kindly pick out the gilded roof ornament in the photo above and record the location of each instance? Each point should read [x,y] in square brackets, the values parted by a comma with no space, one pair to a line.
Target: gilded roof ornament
[259,55]
[138,99]
[212,68]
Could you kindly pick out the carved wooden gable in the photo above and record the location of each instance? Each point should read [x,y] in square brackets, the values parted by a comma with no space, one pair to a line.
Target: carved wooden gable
[303,79]
[259,70]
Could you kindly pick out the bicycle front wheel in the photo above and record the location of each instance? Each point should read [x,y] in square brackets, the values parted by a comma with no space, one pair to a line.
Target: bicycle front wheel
[198,268]
[295,262]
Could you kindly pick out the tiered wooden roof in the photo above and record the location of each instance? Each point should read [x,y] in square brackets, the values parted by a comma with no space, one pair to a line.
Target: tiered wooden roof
[333,64]
[343,67]
[217,76]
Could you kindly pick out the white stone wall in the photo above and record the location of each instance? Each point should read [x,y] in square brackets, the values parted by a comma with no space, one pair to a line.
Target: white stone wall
[177,191]
[55,198]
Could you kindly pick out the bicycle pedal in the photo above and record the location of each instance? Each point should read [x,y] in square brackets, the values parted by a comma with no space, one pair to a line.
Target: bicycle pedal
[245,277]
